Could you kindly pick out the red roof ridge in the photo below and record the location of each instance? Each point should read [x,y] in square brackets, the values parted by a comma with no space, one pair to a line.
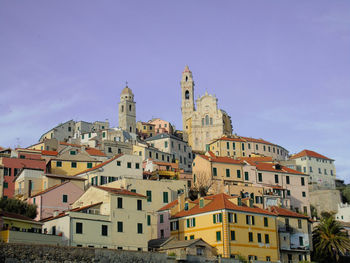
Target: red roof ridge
[168,206]
[120,191]
[309,153]
[286,212]
[49,189]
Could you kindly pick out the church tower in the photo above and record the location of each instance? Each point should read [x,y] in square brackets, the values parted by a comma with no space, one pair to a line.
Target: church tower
[187,98]
[127,111]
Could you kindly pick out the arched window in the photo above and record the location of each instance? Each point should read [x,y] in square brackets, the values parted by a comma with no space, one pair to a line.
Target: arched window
[202,121]
[122,108]
[206,120]
[211,121]
[186,78]
[130,129]
[187,95]
[129,107]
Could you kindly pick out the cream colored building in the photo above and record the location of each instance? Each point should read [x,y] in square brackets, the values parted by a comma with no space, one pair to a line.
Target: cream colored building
[343,213]
[104,217]
[171,144]
[158,193]
[239,146]
[206,122]
[116,168]
[147,151]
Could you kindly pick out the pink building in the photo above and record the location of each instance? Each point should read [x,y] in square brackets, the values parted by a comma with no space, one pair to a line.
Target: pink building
[162,126]
[56,198]
[163,222]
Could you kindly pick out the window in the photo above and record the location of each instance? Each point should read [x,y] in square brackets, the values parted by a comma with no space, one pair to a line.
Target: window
[304,169]
[118,163]
[79,228]
[288,192]
[264,148]
[161,219]
[238,173]
[74,164]
[276,178]
[217,218]
[206,120]
[139,204]
[165,197]
[250,236]
[256,147]
[137,166]
[228,145]
[174,225]
[129,165]
[266,221]
[215,173]
[165,144]
[65,198]
[301,241]
[227,172]
[302,181]
[22,157]
[218,236]
[186,207]
[120,202]
[191,222]
[310,169]
[268,258]
[233,235]
[187,93]
[246,176]
[58,164]
[6,185]
[287,180]
[73,152]
[319,170]
[34,200]
[267,239]
[260,177]
[331,172]
[232,217]
[149,195]
[104,230]
[148,220]
[305,210]
[303,194]
[139,228]
[103,135]
[299,224]
[250,220]
[120,226]
[201,203]
[242,146]
[89,165]
[259,238]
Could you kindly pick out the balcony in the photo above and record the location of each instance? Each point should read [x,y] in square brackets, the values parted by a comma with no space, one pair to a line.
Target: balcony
[287,229]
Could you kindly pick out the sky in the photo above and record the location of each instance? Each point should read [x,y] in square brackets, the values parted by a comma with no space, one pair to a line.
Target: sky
[281,69]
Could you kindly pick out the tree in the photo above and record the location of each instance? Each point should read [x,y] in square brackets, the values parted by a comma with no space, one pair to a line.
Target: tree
[330,240]
[203,184]
[18,207]
[346,194]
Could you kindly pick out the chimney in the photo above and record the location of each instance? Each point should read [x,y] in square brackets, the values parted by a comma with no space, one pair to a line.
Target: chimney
[181,202]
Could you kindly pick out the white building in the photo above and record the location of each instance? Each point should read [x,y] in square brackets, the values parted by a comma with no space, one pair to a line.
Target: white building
[343,212]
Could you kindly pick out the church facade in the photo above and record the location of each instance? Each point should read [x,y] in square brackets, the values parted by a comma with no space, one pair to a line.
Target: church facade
[205,123]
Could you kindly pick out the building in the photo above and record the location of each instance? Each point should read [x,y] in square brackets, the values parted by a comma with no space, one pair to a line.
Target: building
[12,167]
[206,122]
[147,151]
[230,224]
[173,145]
[55,198]
[161,170]
[158,193]
[343,213]
[103,217]
[239,146]
[295,235]
[145,129]
[116,168]
[127,111]
[320,168]
[162,126]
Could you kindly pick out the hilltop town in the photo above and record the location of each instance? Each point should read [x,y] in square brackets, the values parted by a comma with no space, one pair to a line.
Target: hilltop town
[203,191]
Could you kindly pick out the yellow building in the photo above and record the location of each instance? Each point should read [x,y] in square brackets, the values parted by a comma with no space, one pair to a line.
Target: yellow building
[239,146]
[231,224]
[145,129]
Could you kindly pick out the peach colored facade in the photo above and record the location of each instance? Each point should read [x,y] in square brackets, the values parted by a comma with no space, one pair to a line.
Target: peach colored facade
[162,126]
[57,198]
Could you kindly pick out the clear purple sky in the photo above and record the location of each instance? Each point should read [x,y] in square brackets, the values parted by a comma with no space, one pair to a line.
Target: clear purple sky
[281,69]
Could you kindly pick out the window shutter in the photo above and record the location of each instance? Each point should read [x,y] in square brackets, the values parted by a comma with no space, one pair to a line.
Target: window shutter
[194,222]
[214,219]
[188,223]
[220,218]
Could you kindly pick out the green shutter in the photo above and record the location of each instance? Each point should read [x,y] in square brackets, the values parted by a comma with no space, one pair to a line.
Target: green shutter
[214,219]
[220,218]
[188,222]
[194,221]
[148,220]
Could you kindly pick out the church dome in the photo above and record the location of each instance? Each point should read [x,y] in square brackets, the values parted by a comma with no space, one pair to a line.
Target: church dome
[126,91]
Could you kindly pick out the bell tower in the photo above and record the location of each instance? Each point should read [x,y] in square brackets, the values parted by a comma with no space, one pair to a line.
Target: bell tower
[127,111]
[187,98]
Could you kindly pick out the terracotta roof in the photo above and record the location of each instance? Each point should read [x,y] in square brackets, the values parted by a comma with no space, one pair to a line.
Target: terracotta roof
[219,159]
[310,154]
[16,216]
[256,159]
[175,165]
[52,153]
[218,202]
[94,152]
[1,148]
[248,139]
[118,191]
[286,212]
[49,189]
[70,144]
[271,167]
[77,209]
[100,165]
[168,206]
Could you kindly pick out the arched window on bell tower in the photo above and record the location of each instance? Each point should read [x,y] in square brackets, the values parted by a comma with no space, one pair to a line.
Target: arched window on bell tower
[186,78]
[187,95]
[206,120]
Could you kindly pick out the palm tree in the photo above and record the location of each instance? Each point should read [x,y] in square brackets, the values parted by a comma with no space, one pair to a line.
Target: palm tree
[330,240]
